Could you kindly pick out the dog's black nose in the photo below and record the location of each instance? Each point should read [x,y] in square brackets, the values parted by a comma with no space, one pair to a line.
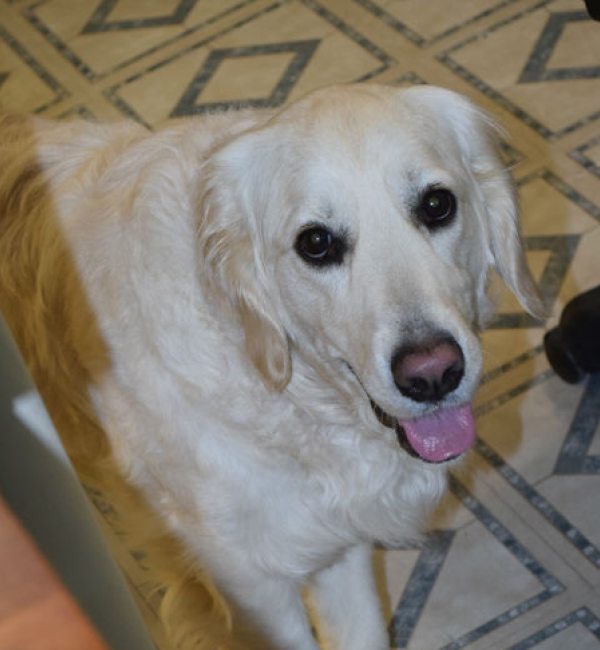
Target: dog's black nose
[428,371]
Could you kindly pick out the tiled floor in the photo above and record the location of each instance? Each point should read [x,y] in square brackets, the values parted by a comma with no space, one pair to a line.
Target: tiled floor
[514,562]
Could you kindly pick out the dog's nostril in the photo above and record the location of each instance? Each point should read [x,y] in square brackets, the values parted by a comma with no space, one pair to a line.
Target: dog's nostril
[417,387]
[429,371]
[452,378]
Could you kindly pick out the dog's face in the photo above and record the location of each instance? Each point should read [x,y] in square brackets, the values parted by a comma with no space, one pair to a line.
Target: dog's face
[359,225]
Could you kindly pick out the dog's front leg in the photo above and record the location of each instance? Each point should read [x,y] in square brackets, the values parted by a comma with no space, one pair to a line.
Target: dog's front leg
[348,605]
[268,613]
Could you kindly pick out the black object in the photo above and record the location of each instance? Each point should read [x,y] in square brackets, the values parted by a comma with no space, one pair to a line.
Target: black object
[593,7]
[573,348]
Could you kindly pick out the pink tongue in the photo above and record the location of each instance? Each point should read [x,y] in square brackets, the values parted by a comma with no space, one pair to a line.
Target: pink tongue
[443,435]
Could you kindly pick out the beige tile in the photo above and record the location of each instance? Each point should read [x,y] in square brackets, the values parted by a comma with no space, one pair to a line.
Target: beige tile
[529,430]
[104,49]
[593,153]
[480,580]
[579,47]
[511,381]
[126,10]
[499,58]
[554,109]
[172,79]
[594,604]
[356,18]
[246,77]
[65,18]
[291,22]
[103,52]
[594,449]
[249,69]
[91,105]
[576,495]
[584,272]
[25,83]
[451,514]
[567,626]
[547,211]
[338,60]
[504,345]
[575,636]
[549,533]
[24,91]
[431,19]
[393,570]
[566,5]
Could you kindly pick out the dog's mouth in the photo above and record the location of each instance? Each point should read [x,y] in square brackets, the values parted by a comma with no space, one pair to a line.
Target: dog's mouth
[441,436]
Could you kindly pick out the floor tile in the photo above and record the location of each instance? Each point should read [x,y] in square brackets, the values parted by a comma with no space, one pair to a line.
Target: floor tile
[99,37]
[512,62]
[256,69]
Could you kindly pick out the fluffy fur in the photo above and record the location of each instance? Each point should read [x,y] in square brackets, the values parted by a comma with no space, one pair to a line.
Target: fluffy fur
[152,282]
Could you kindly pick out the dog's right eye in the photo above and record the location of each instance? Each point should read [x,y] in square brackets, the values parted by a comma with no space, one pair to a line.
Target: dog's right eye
[437,208]
[320,247]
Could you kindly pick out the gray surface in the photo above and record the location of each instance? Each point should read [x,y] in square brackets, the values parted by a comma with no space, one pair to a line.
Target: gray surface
[39,484]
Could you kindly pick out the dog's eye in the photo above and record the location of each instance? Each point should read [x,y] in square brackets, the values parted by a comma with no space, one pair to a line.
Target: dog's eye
[319,246]
[437,207]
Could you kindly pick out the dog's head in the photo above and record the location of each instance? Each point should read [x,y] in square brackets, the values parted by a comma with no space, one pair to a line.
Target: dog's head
[357,228]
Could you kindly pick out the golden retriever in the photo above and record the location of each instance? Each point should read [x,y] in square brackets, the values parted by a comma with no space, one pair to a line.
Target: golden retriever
[272,316]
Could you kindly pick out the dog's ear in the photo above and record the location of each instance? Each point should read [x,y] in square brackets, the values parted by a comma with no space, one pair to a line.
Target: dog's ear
[478,138]
[503,235]
[232,208]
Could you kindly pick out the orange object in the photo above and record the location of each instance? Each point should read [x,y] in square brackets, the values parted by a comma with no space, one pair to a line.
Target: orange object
[36,610]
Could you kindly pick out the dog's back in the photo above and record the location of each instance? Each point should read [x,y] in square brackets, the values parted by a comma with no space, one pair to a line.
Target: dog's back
[43,166]
[41,293]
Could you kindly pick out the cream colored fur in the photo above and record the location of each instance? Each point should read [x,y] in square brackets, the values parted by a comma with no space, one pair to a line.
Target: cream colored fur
[152,284]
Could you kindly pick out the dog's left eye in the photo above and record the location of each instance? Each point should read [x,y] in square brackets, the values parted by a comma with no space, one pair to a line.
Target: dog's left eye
[320,247]
[437,207]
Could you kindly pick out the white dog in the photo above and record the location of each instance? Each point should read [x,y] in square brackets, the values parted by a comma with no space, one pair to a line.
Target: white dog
[272,315]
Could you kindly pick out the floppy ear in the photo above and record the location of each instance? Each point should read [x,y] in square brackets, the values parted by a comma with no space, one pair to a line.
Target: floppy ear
[478,139]
[504,238]
[231,247]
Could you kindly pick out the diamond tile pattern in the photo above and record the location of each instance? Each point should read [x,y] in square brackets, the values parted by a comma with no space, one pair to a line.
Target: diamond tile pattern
[513,562]
[101,18]
[302,50]
[536,68]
